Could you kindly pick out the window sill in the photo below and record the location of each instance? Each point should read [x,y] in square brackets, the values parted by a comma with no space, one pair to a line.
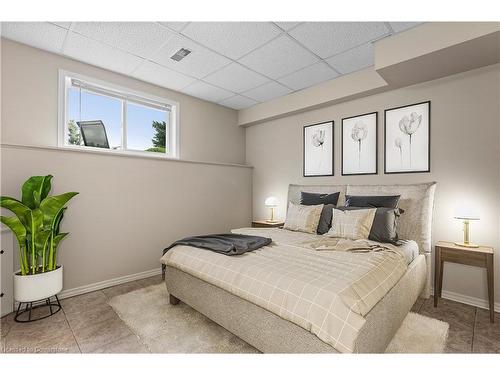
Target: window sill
[107,151]
[118,153]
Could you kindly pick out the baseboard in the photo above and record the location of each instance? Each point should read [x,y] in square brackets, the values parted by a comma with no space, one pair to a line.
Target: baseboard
[66,293]
[468,300]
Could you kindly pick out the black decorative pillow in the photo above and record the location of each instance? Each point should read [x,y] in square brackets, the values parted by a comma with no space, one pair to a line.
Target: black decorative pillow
[325,220]
[312,199]
[385,222]
[329,201]
[390,201]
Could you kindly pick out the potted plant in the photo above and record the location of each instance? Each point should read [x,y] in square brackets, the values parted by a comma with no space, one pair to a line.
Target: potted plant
[36,227]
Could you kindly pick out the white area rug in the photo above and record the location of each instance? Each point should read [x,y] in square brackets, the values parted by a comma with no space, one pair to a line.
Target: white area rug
[419,334]
[164,328]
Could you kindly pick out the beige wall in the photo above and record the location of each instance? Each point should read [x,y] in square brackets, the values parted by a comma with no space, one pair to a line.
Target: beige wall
[30,101]
[129,208]
[465,127]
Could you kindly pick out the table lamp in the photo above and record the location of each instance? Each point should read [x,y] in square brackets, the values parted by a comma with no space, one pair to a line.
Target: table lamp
[466,214]
[271,202]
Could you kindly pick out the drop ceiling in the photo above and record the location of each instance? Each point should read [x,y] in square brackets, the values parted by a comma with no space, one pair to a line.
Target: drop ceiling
[235,64]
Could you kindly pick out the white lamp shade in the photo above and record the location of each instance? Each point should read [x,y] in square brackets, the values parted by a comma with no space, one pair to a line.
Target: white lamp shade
[466,213]
[271,202]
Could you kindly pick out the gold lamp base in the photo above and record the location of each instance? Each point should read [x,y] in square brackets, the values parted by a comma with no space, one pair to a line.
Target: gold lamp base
[466,244]
[271,220]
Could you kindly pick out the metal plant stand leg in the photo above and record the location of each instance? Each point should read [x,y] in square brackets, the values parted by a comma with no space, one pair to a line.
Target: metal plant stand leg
[48,303]
[31,309]
[54,307]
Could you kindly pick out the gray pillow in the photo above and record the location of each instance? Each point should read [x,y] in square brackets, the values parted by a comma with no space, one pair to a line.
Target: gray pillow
[385,222]
[372,200]
[313,199]
[325,220]
[329,201]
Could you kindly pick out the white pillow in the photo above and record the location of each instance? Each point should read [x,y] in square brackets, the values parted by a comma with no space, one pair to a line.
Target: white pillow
[354,225]
[303,218]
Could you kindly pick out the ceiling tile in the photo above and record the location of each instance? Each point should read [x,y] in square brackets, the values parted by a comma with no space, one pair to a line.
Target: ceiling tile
[232,39]
[309,76]
[96,53]
[206,91]
[238,102]
[274,59]
[41,35]
[402,26]
[267,91]
[330,38]
[235,78]
[177,26]
[352,60]
[287,25]
[161,76]
[198,63]
[140,38]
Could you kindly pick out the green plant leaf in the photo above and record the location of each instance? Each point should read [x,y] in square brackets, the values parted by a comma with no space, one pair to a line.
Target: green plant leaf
[34,222]
[19,230]
[41,241]
[17,207]
[51,206]
[15,225]
[35,189]
[58,238]
[57,222]
[52,259]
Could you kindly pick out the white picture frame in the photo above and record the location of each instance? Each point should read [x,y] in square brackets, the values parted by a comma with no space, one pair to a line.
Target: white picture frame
[407,146]
[318,149]
[359,144]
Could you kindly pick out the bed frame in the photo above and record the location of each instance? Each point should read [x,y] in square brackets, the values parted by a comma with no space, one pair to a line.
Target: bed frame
[271,334]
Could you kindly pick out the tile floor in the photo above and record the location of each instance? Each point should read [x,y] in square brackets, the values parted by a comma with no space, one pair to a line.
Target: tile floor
[88,324]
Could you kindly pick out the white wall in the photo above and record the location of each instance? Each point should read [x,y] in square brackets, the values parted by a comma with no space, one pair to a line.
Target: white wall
[465,153]
[129,208]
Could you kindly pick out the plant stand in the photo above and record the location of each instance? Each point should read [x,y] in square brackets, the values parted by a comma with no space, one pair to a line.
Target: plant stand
[53,307]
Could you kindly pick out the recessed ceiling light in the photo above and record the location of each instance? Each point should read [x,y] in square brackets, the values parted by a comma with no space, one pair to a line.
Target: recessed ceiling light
[180,54]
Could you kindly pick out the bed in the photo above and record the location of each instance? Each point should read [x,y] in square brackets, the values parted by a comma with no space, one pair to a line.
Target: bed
[296,297]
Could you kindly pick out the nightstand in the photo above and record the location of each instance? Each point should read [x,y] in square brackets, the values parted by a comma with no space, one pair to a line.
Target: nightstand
[266,224]
[481,256]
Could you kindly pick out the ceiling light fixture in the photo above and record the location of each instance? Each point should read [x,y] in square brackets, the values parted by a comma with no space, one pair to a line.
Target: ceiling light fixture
[180,54]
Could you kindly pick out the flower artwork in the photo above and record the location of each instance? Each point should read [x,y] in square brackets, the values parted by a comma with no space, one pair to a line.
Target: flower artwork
[409,125]
[318,150]
[359,133]
[318,138]
[407,138]
[359,144]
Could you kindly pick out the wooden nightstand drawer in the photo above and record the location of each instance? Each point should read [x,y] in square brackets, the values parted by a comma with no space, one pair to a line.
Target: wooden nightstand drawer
[469,259]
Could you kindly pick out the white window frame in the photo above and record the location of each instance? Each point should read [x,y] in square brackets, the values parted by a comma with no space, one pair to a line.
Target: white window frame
[173,151]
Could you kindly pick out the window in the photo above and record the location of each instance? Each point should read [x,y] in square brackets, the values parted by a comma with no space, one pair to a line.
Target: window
[103,117]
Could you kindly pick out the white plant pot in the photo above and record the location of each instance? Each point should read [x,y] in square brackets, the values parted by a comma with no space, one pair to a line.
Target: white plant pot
[37,287]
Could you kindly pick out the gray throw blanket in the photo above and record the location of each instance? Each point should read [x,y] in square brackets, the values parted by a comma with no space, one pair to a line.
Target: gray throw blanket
[227,244]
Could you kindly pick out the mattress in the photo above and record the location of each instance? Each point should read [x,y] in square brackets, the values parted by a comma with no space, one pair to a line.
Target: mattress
[301,279]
